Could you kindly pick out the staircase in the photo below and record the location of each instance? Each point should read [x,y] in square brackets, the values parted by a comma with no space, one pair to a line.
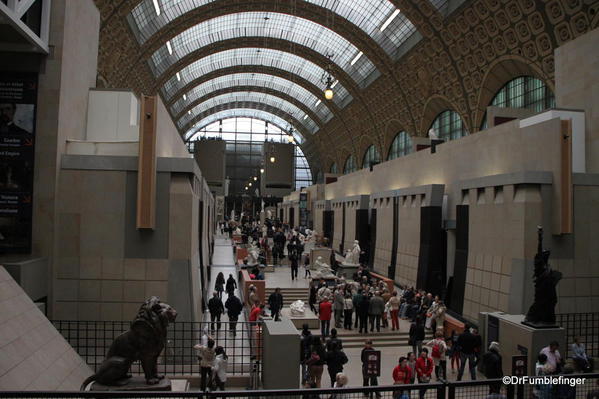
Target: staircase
[290,295]
[383,339]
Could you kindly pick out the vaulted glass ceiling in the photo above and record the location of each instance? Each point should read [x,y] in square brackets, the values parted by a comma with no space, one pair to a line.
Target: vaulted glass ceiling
[267,25]
[241,99]
[379,19]
[283,125]
[253,56]
[255,79]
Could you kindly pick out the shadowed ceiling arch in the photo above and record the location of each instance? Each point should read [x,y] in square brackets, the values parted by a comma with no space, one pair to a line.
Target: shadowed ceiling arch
[265,99]
[256,82]
[234,106]
[176,101]
[303,62]
[240,90]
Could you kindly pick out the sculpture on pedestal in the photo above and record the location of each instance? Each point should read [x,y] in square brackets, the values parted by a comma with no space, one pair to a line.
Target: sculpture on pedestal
[253,255]
[144,341]
[352,256]
[298,308]
[542,311]
[322,269]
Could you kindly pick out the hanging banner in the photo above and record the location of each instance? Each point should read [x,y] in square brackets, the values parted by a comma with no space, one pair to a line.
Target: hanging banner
[18,95]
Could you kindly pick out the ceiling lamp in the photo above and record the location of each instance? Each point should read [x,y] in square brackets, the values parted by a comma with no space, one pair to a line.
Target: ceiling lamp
[273,159]
[255,178]
[250,184]
[327,79]
[246,188]
[261,170]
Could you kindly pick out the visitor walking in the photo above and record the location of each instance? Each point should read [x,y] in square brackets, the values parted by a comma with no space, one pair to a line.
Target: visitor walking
[219,369]
[492,364]
[216,309]
[348,309]
[467,342]
[294,266]
[416,335]
[219,285]
[206,357]
[231,285]
[335,359]
[307,272]
[234,308]
[438,351]
[316,361]
[324,315]
[305,350]
[376,307]
[275,303]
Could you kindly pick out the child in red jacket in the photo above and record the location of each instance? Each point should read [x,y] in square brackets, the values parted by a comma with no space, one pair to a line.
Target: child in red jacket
[424,369]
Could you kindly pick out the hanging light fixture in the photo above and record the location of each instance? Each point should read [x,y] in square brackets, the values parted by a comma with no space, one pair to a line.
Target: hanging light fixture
[255,178]
[261,170]
[327,79]
[273,159]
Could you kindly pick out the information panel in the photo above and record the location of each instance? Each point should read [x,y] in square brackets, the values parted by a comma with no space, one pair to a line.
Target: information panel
[18,95]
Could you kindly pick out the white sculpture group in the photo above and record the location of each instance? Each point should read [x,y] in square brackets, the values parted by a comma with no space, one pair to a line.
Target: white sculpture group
[322,269]
[352,256]
[298,308]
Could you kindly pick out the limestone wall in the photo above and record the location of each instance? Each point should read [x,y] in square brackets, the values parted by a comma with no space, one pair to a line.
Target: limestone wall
[33,355]
[384,233]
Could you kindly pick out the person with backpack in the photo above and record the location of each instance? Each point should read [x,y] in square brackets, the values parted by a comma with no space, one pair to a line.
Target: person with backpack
[335,359]
[216,309]
[234,308]
[438,353]
[316,361]
[424,370]
[219,285]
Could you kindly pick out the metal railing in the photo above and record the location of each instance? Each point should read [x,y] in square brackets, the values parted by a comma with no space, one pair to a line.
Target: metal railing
[582,325]
[441,390]
[92,339]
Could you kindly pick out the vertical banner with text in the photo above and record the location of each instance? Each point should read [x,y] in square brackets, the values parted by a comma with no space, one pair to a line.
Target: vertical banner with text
[18,95]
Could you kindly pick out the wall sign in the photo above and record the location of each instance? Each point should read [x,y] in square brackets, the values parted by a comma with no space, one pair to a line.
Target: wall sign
[18,96]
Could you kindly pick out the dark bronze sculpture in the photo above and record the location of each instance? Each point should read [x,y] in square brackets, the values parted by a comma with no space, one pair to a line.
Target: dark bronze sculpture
[542,312]
[144,341]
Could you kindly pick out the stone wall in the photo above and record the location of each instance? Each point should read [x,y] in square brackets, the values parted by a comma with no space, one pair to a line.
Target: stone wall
[384,232]
[33,355]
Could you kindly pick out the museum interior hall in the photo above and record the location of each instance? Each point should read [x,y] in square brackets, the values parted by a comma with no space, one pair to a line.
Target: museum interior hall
[320,199]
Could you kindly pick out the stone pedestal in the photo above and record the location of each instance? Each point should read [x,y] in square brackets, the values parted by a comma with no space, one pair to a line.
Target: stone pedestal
[347,270]
[137,383]
[518,339]
[281,349]
[325,253]
[298,321]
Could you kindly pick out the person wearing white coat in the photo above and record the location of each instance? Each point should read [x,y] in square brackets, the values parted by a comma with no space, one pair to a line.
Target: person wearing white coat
[219,369]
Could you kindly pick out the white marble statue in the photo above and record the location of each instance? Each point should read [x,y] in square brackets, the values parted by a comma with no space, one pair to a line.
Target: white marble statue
[237,230]
[269,214]
[321,269]
[253,255]
[352,257]
[298,308]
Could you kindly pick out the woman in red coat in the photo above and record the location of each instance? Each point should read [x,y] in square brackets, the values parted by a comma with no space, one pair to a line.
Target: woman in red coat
[402,374]
[324,314]
[424,369]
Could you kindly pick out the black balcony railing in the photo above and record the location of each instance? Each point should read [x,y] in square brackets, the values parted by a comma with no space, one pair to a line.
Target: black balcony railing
[584,326]
[92,339]
[441,390]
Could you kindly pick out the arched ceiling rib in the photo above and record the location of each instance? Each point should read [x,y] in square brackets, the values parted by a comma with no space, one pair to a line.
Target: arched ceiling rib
[252,97]
[246,79]
[308,114]
[254,56]
[267,25]
[244,113]
[234,107]
[380,20]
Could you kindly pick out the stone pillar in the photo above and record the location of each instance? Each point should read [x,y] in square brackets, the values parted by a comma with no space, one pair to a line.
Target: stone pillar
[280,369]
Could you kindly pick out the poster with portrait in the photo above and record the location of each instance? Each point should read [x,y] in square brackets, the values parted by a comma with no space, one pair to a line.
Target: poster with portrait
[18,95]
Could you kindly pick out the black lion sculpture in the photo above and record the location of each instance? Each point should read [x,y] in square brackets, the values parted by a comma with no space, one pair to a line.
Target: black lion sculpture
[144,341]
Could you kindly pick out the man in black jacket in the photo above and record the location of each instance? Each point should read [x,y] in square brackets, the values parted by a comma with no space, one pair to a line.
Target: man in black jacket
[275,302]
[234,308]
[492,364]
[467,343]
[216,309]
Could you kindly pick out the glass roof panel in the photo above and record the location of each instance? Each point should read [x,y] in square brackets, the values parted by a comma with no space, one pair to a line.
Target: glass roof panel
[254,56]
[371,16]
[242,112]
[241,98]
[266,24]
[255,79]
